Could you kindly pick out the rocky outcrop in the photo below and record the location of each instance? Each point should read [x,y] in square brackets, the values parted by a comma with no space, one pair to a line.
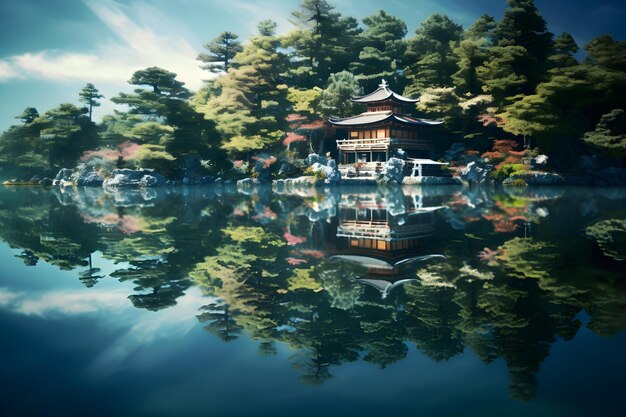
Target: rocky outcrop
[134,178]
[477,172]
[326,167]
[88,178]
[64,174]
[393,171]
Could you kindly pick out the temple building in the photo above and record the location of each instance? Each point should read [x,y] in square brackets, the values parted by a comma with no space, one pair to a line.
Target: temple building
[372,137]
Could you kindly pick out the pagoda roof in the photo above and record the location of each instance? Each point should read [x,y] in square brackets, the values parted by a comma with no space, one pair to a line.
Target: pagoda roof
[369,118]
[383,93]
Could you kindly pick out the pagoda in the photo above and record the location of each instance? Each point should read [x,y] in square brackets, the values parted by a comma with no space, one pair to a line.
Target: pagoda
[373,136]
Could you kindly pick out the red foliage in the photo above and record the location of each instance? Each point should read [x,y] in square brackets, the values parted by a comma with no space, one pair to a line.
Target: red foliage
[292,117]
[293,240]
[296,261]
[487,118]
[293,137]
[503,152]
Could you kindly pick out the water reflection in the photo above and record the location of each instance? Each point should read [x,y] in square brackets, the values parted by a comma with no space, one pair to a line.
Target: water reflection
[344,275]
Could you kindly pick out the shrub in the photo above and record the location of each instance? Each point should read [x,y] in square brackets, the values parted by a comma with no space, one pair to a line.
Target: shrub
[504,171]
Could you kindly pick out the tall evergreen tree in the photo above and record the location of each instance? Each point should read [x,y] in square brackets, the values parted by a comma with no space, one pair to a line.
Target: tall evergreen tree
[90,96]
[564,49]
[430,59]
[220,52]
[523,26]
[325,42]
[472,52]
[382,51]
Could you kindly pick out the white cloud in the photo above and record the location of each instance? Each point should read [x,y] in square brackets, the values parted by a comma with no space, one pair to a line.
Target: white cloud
[136,327]
[136,45]
[62,302]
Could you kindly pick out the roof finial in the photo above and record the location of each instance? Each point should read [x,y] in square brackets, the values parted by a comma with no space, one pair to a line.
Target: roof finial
[383,84]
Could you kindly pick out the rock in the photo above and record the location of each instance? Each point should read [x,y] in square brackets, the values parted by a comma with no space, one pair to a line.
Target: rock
[63,174]
[89,178]
[610,176]
[477,172]
[330,172]
[46,182]
[539,160]
[134,178]
[148,181]
[455,152]
[65,183]
[315,158]
[393,171]
[246,183]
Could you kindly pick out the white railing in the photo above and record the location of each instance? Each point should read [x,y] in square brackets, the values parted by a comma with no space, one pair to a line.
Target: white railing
[381,143]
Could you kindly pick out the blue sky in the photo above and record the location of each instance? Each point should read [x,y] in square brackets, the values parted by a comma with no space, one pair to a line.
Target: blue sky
[50,48]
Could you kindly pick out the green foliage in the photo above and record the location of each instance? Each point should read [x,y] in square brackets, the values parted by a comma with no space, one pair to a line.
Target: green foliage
[305,100]
[607,52]
[90,96]
[383,50]
[221,52]
[28,115]
[505,171]
[430,59]
[335,99]
[324,43]
[610,235]
[609,135]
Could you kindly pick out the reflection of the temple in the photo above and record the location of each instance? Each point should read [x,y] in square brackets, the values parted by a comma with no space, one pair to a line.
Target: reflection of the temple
[385,237]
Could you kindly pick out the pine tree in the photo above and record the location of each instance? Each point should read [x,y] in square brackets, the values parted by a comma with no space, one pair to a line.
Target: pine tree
[90,96]
[221,52]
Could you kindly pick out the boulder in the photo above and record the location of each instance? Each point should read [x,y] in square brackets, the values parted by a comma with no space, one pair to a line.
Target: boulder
[393,171]
[89,178]
[315,158]
[330,171]
[134,178]
[539,160]
[64,174]
[610,176]
[477,172]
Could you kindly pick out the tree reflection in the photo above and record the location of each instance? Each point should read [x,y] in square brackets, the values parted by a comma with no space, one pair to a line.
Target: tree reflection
[503,273]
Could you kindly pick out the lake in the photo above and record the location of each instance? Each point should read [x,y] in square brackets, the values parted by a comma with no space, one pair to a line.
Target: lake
[376,301]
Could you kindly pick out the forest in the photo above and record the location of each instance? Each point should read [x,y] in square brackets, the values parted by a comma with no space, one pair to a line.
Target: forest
[507,89]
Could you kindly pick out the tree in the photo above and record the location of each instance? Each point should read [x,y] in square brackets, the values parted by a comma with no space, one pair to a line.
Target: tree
[471,52]
[429,56]
[564,49]
[382,51]
[608,53]
[252,103]
[90,96]
[221,52]
[325,43]
[523,26]
[609,135]
[335,99]
[28,115]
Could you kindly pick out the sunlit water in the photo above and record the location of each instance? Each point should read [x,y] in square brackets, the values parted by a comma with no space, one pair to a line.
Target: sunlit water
[204,301]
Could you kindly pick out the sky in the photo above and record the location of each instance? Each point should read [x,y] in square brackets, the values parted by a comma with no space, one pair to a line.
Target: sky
[50,48]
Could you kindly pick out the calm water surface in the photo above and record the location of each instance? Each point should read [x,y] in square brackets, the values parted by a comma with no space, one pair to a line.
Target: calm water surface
[206,301]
